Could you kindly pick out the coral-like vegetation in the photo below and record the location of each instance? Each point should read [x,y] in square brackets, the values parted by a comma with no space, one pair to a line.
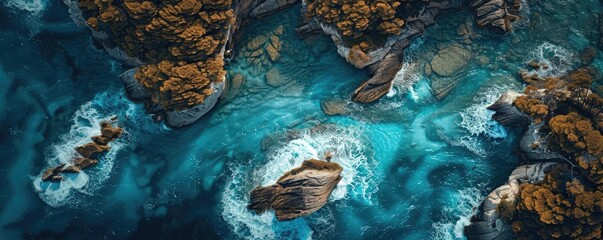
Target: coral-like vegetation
[364,24]
[568,204]
[180,40]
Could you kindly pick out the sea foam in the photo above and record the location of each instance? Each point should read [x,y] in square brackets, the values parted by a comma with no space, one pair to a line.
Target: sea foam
[33,7]
[349,151]
[558,59]
[477,121]
[85,124]
[456,218]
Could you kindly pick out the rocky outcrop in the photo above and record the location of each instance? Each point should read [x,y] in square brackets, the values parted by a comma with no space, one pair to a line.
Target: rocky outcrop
[489,222]
[299,192]
[87,153]
[385,60]
[186,117]
[508,115]
[271,6]
[496,14]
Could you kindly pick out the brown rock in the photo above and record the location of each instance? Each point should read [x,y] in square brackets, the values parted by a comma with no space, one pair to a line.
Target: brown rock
[298,192]
[82,163]
[109,132]
[52,174]
[273,53]
[89,149]
[257,42]
[100,140]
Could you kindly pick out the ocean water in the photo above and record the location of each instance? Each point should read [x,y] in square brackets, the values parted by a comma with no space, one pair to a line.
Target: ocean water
[415,167]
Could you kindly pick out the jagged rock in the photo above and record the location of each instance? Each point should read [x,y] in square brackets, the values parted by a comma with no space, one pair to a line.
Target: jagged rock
[533,145]
[299,192]
[52,174]
[508,115]
[90,149]
[109,132]
[84,162]
[134,90]
[183,118]
[271,6]
[497,14]
[100,140]
[450,60]
[488,223]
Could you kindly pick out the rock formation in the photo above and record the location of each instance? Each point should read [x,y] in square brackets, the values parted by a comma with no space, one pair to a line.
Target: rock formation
[496,14]
[374,34]
[299,192]
[87,153]
[564,200]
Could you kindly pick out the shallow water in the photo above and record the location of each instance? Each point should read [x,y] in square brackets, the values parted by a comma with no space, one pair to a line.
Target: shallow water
[415,167]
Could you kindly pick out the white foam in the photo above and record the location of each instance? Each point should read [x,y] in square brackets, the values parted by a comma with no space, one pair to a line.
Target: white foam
[86,123]
[558,59]
[477,120]
[33,7]
[349,150]
[458,217]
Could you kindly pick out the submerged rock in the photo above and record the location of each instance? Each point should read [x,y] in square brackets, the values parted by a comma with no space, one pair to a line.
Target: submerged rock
[299,192]
[450,60]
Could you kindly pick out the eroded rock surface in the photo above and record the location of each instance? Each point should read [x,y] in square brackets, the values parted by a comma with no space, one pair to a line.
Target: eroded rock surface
[87,154]
[299,192]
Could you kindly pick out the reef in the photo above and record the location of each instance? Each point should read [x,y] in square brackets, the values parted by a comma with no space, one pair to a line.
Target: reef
[87,154]
[563,121]
[299,192]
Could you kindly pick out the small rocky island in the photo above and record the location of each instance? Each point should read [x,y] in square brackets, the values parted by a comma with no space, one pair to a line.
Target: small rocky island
[299,192]
[87,154]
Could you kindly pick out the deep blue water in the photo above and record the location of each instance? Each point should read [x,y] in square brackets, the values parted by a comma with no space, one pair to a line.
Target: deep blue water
[415,167]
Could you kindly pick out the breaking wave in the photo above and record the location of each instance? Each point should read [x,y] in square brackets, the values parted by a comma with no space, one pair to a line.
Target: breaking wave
[33,7]
[86,120]
[558,59]
[349,151]
[457,218]
[477,121]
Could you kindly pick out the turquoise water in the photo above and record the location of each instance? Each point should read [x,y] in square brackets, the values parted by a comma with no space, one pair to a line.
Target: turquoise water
[415,166]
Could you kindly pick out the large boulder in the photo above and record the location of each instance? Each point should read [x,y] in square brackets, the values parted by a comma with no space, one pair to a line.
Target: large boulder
[299,192]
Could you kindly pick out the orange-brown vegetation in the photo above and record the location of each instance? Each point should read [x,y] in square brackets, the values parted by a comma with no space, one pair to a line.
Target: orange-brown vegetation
[568,204]
[365,22]
[186,36]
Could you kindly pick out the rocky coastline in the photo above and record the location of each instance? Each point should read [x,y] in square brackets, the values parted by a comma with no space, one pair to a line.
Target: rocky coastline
[179,94]
[557,194]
